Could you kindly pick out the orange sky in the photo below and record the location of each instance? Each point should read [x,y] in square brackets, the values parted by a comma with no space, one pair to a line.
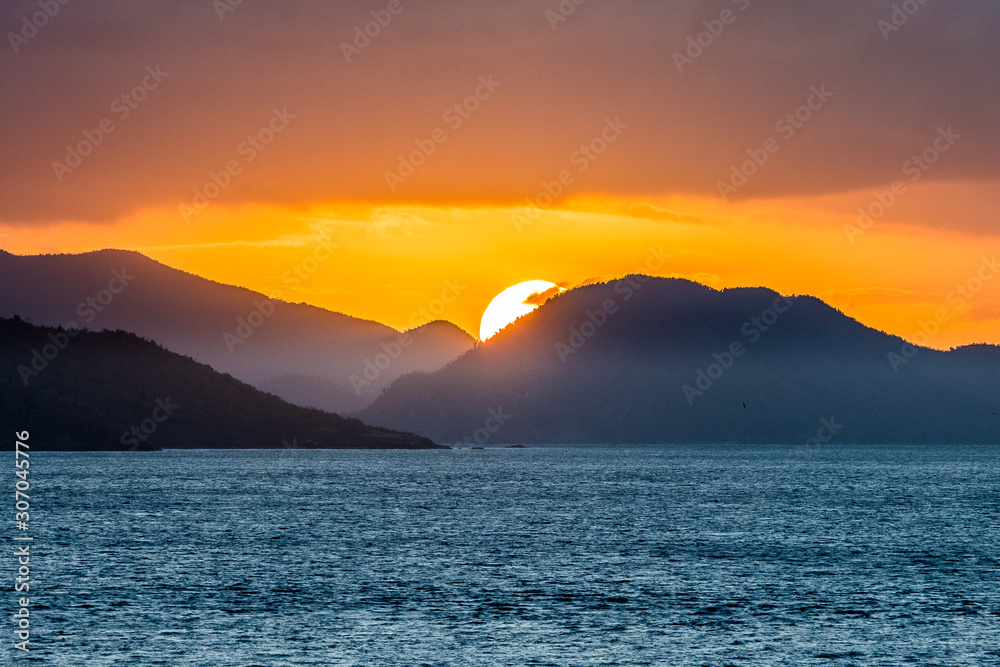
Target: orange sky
[220,142]
[390,263]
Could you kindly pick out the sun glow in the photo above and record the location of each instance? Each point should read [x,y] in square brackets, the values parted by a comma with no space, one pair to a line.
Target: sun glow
[511,304]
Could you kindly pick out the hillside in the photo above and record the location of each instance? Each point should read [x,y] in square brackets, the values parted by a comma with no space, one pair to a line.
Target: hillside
[650,360]
[88,392]
[305,354]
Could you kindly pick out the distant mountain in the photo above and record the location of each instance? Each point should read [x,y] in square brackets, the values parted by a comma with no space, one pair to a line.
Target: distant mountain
[113,391]
[669,361]
[307,355]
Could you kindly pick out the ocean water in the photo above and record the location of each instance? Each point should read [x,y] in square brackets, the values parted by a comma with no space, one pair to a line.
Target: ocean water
[724,555]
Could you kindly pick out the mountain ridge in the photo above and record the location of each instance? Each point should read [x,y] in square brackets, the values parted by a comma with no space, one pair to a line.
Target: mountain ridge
[233,329]
[112,390]
[667,360]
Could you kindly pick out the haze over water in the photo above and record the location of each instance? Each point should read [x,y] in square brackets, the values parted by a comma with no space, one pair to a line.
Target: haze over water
[693,555]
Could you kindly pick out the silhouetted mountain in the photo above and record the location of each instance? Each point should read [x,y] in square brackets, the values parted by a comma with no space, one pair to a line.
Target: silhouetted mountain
[428,347]
[652,361]
[113,390]
[289,349]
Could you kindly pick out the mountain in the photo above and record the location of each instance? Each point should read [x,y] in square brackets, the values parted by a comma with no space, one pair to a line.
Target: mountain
[307,355]
[112,390]
[649,360]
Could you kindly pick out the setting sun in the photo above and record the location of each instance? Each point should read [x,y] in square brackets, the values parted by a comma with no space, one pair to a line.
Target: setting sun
[512,303]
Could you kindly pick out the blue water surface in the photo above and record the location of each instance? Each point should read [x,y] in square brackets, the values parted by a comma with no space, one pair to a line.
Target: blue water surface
[680,555]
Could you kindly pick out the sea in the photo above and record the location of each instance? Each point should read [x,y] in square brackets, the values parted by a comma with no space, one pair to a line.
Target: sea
[599,555]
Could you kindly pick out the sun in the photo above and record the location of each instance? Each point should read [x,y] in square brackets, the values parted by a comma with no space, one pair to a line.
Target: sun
[511,304]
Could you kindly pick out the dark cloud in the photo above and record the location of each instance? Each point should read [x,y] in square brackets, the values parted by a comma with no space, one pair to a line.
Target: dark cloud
[539,298]
[610,59]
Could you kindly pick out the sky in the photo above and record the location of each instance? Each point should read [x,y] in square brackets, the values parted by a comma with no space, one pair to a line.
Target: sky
[842,149]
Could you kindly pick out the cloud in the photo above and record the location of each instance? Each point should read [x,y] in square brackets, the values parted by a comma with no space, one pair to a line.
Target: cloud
[983,312]
[893,292]
[354,121]
[539,298]
[275,243]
